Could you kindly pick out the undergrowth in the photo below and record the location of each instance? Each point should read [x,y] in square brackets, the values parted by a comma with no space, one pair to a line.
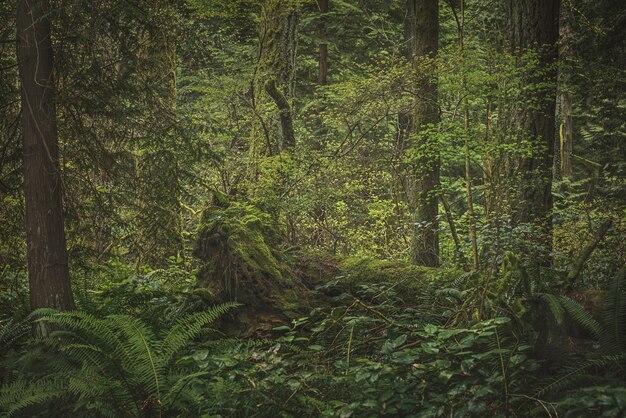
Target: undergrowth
[367,352]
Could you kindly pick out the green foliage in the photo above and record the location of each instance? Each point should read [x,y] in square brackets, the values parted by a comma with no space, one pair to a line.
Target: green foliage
[369,359]
[111,366]
[159,107]
[156,296]
[14,301]
[601,401]
[12,333]
[605,363]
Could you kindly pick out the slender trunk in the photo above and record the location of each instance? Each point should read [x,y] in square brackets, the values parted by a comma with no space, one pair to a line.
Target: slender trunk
[322,77]
[48,271]
[488,176]
[470,206]
[566,137]
[566,134]
[455,235]
[468,164]
[421,31]
[579,263]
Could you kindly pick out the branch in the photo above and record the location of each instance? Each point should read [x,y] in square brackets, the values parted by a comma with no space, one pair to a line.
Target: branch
[586,253]
[286,122]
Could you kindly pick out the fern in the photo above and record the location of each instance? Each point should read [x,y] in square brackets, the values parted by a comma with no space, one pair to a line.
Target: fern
[21,395]
[187,329]
[575,374]
[581,316]
[610,334]
[117,358]
[614,313]
[555,306]
[13,331]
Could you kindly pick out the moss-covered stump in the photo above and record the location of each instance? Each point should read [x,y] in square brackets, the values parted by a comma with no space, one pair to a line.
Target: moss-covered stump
[238,246]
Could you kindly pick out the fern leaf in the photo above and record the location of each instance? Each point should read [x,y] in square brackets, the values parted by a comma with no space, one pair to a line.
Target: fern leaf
[581,316]
[22,394]
[188,328]
[553,302]
[614,313]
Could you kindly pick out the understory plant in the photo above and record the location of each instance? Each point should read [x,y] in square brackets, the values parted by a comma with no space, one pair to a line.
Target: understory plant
[115,366]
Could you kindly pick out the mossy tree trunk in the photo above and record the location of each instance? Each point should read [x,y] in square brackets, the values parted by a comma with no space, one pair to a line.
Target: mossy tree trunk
[421,31]
[238,246]
[274,78]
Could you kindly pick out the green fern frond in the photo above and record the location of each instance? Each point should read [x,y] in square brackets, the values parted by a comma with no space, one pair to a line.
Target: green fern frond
[614,312]
[85,354]
[459,282]
[456,294]
[13,330]
[555,307]
[89,384]
[188,328]
[116,362]
[91,329]
[581,316]
[22,394]
[179,385]
[576,374]
[139,343]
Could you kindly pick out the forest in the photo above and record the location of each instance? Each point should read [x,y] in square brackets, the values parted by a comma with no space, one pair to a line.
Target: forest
[303,208]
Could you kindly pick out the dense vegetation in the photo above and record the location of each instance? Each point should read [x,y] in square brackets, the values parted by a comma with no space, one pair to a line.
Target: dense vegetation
[351,208]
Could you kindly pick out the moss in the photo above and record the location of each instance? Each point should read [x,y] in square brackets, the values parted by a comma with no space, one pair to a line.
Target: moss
[238,245]
[408,279]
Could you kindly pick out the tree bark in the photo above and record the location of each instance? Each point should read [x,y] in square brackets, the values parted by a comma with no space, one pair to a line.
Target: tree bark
[534,25]
[566,132]
[48,272]
[322,76]
[421,32]
[275,72]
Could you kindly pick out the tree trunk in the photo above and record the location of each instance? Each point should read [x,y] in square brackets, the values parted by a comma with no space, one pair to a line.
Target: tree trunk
[533,25]
[322,77]
[421,32]
[460,20]
[566,133]
[275,72]
[48,272]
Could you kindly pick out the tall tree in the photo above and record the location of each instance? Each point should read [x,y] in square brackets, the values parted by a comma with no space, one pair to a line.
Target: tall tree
[566,128]
[421,32]
[276,67]
[48,271]
[322,77]
[534,26]
[460,22]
